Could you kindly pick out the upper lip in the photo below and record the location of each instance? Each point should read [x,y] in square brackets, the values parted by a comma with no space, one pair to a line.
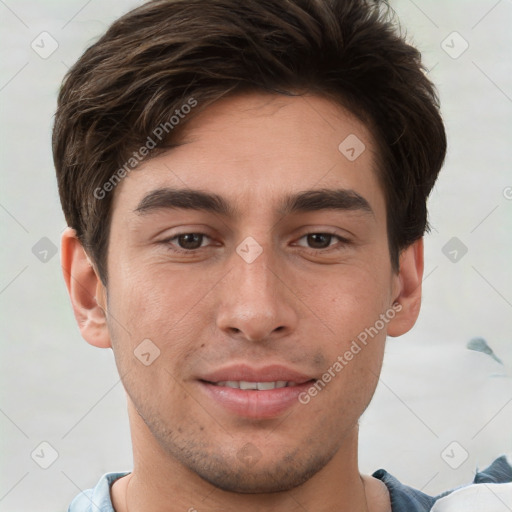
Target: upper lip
[243,372]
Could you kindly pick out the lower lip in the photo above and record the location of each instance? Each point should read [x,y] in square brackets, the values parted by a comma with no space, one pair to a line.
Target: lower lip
[255,404]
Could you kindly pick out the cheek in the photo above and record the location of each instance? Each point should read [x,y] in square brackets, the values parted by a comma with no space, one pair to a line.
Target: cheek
[349,300]
[350,375]
[150,344]
[342,396]
[351,304]
[150,298]
[158,306]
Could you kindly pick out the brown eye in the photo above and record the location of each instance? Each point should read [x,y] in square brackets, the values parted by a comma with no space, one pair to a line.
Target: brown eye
[319,240]
[190,241]
[322,242]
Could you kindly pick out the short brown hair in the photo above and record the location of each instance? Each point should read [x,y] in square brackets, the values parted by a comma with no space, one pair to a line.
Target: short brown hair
[155,58]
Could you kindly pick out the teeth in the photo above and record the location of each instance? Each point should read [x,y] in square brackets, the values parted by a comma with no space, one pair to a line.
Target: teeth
[248,385]
[261,386]
[268,385]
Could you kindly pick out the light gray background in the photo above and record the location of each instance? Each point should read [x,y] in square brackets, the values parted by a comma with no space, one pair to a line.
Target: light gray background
[433,391]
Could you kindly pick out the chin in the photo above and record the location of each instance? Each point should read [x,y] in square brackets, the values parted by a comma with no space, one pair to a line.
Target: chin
[262,481]
[256,477]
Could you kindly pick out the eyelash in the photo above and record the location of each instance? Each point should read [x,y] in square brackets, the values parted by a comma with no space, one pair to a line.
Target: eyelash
[341,240]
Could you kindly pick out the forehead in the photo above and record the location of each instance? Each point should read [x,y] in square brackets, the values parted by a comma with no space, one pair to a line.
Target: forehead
[254,149]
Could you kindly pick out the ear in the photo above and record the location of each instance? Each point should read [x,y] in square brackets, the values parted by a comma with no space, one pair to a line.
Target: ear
[86,291]
[408,289]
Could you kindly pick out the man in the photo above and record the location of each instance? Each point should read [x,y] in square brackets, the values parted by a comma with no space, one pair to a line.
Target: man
[245,186]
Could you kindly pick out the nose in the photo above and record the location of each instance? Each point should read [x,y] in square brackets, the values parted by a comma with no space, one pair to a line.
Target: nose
[256,302]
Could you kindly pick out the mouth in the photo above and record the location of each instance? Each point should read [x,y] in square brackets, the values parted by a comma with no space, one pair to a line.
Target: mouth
[257,386]
[263,393]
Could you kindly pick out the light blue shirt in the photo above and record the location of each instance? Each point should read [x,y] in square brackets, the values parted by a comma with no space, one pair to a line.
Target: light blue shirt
[403,498]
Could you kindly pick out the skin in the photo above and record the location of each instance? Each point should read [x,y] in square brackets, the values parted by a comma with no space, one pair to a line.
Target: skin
[297,304]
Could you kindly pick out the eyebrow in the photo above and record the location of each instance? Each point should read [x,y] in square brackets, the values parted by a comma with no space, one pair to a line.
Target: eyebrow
[304,201]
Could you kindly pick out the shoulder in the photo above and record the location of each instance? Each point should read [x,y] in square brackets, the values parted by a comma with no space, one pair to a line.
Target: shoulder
[96,499]
[491,491]
[474,497]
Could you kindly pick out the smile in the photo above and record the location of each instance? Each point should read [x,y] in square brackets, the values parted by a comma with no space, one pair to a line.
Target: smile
[259,386]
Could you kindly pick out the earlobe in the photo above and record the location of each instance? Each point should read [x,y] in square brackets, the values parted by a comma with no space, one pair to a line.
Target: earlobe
[408,295]
[86,291]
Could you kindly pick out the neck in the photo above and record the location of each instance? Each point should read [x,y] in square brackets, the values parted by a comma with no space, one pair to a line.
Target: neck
[159,483]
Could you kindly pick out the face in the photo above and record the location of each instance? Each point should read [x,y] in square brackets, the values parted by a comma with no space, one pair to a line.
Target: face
[254,252]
